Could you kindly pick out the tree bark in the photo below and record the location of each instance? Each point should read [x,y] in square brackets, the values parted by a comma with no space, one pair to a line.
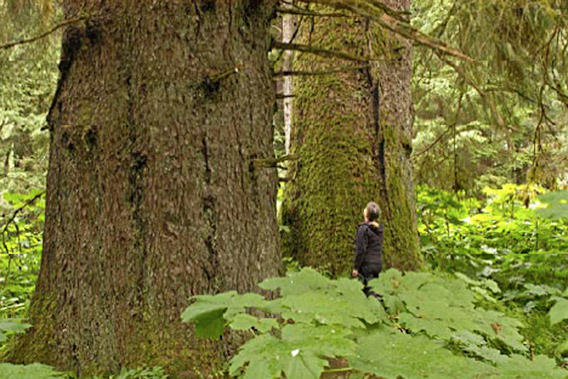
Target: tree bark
[152,195]
[352,140]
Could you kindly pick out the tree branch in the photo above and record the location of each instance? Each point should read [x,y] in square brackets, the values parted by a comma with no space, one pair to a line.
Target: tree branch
[390,19]
[282,96]
[44,34]
[311,14]
[13,217]
[314,73]
[484,95]
[272,162]
[319,51]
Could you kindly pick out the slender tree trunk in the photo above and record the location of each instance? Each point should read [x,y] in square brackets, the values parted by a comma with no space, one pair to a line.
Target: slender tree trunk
[352,138]
[152,194]
[289,27]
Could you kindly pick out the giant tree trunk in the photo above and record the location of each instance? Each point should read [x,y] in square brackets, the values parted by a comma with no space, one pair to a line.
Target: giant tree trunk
[161,110]
[352,139]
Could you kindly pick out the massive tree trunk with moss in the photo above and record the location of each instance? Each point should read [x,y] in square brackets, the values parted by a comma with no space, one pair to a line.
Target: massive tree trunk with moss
[352,143]
[152,193]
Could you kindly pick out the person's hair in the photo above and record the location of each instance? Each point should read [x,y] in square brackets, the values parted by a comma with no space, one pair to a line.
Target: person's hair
[373,213]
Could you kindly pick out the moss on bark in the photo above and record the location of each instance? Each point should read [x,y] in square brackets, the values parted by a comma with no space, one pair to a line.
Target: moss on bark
[349,152]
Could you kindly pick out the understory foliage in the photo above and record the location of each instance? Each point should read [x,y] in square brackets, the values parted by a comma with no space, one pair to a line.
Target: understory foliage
[424,325]
[515,241]
[511,237]
[21,228]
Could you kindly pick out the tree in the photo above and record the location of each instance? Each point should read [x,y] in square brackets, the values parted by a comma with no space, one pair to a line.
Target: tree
[153,194]
[352,142]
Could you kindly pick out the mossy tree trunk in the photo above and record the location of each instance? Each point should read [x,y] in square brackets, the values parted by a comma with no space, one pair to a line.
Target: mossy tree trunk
[352,140]
[152,194]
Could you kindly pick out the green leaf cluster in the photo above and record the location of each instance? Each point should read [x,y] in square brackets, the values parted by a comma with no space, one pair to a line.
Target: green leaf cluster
[21,235]
[424,325]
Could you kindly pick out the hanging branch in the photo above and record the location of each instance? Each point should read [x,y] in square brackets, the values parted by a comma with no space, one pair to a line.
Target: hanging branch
[17,211]
[272,162]
[484,95]
[44,34]
[438,139]
[392,20]
[282,96]
[301,12]
[319,51]
[315,73]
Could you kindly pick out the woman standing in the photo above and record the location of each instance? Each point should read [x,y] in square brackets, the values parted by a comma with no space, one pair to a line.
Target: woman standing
[369,246]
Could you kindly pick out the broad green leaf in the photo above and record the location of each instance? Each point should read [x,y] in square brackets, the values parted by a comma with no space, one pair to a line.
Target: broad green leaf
[557,204]
[559,311]
[296,283]
[245,321]
[391,354]
[11,325]
[33,371]
[485,283]
[301,352]
[562,349]
[211,312]
[441,308]
[476,344]
[309,297]
[519,367]
[541,290]
[332,309]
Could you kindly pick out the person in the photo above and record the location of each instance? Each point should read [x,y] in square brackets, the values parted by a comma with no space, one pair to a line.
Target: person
[369,246]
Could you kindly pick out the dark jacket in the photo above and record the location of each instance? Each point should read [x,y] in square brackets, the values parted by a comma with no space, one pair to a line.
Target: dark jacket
[369,246]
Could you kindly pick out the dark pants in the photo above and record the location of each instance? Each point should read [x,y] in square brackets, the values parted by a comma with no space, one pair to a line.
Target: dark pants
[367,273]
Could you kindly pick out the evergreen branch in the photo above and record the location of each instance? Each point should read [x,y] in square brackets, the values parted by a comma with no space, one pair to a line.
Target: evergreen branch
[315,73]
[282,96]
[484,95]
[402,16]
[438,139]
[44,34]
[389,19]
[320,51]
[272,162]
[17,211]
[301,12]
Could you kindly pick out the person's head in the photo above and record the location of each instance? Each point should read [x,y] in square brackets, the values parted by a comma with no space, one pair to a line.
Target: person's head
[372,213]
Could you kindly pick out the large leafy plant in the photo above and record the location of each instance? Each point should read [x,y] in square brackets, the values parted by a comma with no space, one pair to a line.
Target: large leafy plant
[423,326]
[21,228]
